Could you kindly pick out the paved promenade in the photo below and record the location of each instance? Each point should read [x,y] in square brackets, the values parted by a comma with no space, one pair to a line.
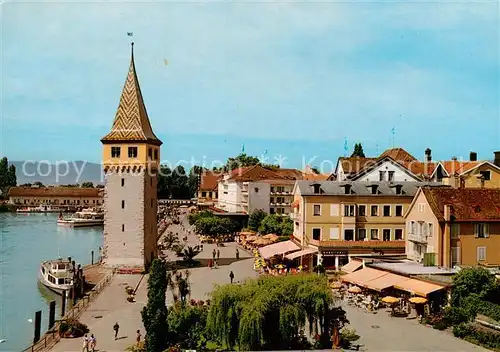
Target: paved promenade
[111,305]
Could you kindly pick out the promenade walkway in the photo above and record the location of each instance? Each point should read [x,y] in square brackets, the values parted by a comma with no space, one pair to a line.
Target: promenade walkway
[111,305]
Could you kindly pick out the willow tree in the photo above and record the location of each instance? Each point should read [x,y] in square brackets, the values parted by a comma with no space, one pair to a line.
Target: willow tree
[270,312]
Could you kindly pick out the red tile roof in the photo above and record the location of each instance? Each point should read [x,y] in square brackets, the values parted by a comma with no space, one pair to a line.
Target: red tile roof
[290,174]
[209,180]
[468,204]
[398,154]
[54,192]
[255,173]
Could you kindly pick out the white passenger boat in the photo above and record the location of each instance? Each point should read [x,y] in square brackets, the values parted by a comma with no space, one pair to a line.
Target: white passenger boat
[86,217]
[57,275]
[41,209]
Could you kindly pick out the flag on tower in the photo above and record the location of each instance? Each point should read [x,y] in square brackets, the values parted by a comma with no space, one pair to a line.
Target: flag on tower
[243,148]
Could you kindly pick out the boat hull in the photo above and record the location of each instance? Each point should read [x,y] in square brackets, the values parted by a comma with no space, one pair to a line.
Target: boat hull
[70,223]
[53,287]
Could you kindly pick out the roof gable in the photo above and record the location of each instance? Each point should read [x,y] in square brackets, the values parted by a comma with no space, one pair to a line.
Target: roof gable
[387,159]
[255,173]
[398,154]
[209,180]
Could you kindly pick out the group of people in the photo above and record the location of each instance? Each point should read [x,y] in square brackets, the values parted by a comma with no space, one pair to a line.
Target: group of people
[90,342]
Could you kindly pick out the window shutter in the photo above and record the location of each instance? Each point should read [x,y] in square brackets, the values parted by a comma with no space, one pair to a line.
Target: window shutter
[476,230]
[486,230]
[334,210]
[334,233]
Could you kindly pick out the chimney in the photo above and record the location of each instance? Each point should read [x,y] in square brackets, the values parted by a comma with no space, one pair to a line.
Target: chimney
[473,156]
[447,212]
[497,159]
[428,155]
[454,158]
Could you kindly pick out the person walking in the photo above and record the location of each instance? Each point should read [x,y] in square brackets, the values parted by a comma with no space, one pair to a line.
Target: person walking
[85,344]
[93,342]
[138,338]
[218,255]
[214,253]
[116,327]
[237,254]
[231,276]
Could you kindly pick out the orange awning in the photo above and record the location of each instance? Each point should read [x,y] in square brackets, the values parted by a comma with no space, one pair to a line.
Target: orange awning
[301,253]
[418,287]
[363,276]
[352,266]
[278,248]
[386,281]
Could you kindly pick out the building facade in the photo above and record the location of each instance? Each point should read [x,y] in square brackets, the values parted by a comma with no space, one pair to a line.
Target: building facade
[208,189]
[351,218]
[449,227]
[131,155]
[245,190]
[59,196]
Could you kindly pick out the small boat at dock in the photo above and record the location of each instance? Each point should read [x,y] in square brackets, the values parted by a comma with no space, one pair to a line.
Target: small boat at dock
[57,275]
[86,217]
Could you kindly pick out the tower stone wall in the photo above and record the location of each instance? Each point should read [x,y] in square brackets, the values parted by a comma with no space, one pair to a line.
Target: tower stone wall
[130,228]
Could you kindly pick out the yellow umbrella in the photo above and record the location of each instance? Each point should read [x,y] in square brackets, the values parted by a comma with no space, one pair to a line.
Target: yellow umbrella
[280,266]
[354,289]
[418,300]
[271,237]
[390,299]
[262,242]
[251,238]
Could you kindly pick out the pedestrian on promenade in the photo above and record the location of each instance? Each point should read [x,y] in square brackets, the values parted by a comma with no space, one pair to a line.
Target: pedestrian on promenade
[218,255]
[214,253]
[85,344]
[93,342]
[138,338]
[237,254]
[116,327]
[231,276]
[210,263]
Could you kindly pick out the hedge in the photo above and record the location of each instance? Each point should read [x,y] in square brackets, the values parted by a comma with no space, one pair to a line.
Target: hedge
[469,333]
[476,305]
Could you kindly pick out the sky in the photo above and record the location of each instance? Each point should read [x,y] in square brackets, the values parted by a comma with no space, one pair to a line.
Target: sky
[295,79]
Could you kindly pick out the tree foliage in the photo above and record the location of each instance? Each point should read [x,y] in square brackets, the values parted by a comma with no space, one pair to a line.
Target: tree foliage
[155,313]
[206,223]
[177,183]
[358,151]
[270,312]
[474,280]
[87,184]
[7,175]
[187,325]
[255,219]
[280,225]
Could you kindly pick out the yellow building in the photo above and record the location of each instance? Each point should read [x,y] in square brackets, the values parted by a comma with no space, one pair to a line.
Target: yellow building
[207,190]
[59,196]
[344,219]
[131,155]
[449,227]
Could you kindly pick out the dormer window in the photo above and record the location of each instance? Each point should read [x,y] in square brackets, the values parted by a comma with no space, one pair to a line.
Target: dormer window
[347,189]
[399,189]
[316,189]
[374,189]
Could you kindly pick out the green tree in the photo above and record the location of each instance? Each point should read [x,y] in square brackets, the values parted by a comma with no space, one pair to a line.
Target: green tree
[187,325]
[87,184]
[473,280]
[358,151]
[155,314]
[286,226]
[242,160]
[11,176]
[273,223]
[255,219]
[270,312]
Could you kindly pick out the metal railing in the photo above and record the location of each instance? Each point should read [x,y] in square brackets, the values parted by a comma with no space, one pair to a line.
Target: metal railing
[51,337]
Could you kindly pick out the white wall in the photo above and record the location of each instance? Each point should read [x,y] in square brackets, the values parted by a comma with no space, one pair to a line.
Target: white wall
[258,196]
[399,174]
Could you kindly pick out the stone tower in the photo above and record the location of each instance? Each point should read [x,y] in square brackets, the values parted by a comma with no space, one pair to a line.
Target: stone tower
[131,155]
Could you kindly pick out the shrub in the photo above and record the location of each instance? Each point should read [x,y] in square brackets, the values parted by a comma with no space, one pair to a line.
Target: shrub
[461,330]
[456,315]
[488,339]
[347,337]
[72,328]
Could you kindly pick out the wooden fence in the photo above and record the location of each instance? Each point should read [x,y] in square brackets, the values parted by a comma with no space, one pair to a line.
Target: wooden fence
[51,337]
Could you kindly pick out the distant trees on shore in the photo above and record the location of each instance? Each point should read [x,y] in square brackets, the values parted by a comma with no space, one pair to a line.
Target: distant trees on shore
[7,176]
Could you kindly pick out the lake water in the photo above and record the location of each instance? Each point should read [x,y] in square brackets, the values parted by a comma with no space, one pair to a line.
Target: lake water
[25,241]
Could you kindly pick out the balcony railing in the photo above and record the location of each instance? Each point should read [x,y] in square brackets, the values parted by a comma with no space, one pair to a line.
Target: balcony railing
[413,237]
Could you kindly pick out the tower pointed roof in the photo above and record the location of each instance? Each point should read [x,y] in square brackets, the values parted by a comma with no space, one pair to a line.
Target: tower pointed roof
[131,122]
